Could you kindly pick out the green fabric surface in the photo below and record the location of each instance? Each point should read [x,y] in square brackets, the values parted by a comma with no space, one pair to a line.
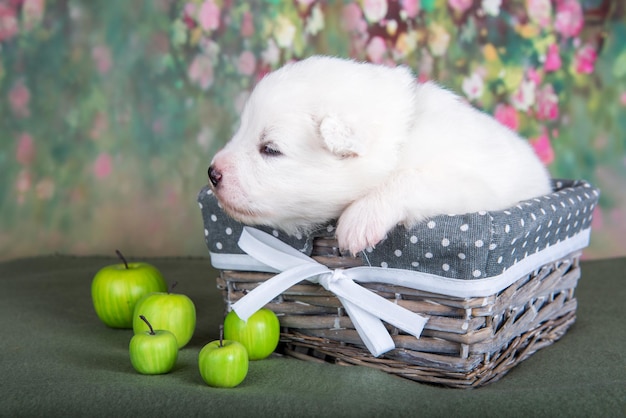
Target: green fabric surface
[58,359]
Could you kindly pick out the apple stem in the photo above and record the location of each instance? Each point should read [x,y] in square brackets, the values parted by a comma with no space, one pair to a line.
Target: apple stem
[221,335]
[173,286]
[143,318]
[119,254]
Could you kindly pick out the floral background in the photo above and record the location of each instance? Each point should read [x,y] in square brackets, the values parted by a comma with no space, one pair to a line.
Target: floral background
[110,110]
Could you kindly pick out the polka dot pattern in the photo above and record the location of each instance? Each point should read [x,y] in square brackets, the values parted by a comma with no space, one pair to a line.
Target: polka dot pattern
[221,232]
[462,246]
[486,244]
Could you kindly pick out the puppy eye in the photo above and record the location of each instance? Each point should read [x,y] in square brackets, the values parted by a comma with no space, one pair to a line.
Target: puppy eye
[270,150]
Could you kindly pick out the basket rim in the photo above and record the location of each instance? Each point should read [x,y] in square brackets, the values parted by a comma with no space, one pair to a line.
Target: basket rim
[426,281]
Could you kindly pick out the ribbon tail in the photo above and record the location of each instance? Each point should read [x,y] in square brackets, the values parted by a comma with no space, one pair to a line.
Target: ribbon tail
[268,290]
[380,307]
[371,330]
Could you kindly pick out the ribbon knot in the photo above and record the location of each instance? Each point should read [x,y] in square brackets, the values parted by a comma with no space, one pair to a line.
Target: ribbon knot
[365,308]
[328,280]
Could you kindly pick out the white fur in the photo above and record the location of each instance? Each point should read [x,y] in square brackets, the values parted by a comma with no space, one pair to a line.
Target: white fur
[370,146]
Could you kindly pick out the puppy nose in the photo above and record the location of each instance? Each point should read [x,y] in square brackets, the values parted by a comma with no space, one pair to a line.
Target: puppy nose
[214,176]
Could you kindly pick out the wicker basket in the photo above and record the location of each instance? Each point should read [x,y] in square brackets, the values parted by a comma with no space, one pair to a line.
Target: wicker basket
[467,341]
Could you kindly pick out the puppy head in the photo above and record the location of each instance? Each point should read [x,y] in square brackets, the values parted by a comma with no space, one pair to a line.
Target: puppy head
[314,136]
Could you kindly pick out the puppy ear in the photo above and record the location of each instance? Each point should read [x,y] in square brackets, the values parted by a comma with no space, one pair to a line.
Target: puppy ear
[340,138]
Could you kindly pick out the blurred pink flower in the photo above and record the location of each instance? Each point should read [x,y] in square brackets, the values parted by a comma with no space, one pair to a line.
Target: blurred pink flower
[25,151]
[375,10]
[103,166]
[101,55]
[246,64]
[189,15]
[376,49]
[547,104]
[19,98]
[569,18]
[622,98]
[32,13]
[460,6]
[190,8]
[585,59]
[209,15]
[507,115]
[247,25]
[200,71]
[534,76]
[352,18]
[411,7]
[8,22]
[553,59]
[543,148]
[539,11]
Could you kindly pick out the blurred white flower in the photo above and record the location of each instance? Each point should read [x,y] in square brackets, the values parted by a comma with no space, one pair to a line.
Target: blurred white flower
[315,23]
[473,86]
[492,7]
[284,32]
[524,96]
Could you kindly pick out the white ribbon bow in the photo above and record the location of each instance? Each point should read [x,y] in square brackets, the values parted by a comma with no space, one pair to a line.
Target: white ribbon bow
[365,308]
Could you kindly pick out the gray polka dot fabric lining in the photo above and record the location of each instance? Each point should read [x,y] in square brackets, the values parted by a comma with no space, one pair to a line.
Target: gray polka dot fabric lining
[468,246]
[221,232]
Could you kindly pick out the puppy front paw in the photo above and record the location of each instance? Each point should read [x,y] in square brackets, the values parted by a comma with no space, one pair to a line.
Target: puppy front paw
[356,239]
[363,225]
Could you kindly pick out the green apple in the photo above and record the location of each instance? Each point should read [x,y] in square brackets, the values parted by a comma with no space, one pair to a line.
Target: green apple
[153,352]
[170,311]
[116,289]
[223,363]
[260,334]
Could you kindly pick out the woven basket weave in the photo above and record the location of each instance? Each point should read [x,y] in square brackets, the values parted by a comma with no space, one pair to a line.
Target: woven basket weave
[467,341]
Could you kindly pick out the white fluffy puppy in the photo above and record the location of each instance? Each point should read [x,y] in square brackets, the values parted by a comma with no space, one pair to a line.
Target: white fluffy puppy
[329,138]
